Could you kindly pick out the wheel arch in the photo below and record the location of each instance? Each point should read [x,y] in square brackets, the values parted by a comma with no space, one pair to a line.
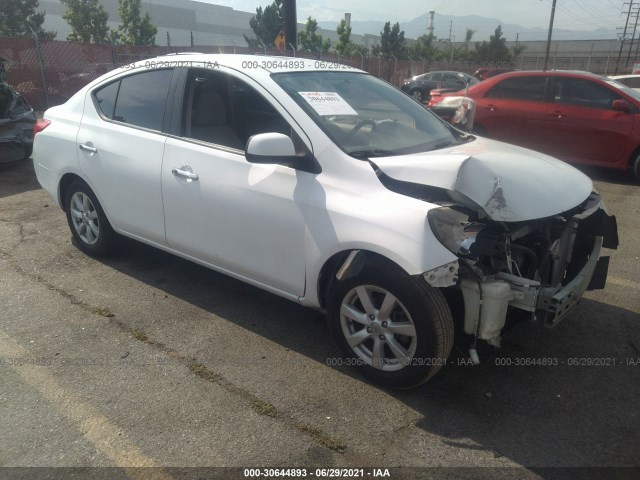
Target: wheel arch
[337,261]
[70,177]
[634,163]
[66,180]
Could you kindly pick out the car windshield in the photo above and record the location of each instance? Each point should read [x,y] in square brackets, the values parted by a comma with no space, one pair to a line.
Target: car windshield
[365,116]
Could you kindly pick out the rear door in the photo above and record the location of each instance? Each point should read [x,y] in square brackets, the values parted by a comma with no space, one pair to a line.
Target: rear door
[121,145]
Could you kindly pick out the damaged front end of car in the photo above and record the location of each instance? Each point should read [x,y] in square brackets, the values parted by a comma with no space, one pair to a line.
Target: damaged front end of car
[541,266]
[527,231]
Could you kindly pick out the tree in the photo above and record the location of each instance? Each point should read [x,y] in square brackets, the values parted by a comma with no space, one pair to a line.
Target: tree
[134,29]
[495,50]
[423,47]
[344,46]
[310,41]
[361,50]
[88,21]
[19,17]
[468,36]
[517,50]
[266,25]
[392,41]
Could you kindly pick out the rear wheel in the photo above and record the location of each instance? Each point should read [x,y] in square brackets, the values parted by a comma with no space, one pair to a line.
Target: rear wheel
[396,328]
[417,95]
[88,223]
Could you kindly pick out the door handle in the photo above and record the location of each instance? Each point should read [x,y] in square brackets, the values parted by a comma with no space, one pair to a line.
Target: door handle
[490,108]
[557,114]
[88,148]
[185,172]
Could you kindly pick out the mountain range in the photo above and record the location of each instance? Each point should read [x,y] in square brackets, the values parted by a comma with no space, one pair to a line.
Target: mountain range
[484,27]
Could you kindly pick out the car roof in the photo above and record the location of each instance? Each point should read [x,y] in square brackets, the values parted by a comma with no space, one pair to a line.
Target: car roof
[270,64]
[622,77]
[551,73]
[448,71]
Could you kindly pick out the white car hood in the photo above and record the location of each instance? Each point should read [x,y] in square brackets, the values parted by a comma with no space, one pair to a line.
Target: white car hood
[511,184]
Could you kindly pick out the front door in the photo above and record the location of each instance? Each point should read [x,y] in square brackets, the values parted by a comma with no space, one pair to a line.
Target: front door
[244,219]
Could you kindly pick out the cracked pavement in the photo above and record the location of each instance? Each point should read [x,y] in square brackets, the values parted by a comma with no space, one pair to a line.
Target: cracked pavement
[144,359]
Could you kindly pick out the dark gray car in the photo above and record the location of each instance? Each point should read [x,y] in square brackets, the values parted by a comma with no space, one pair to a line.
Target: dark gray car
[16,125]
[420,86]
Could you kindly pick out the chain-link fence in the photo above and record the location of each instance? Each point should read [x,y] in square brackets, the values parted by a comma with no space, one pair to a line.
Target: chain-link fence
[48,72]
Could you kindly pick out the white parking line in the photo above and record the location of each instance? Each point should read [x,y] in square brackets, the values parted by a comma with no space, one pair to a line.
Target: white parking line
[104,435]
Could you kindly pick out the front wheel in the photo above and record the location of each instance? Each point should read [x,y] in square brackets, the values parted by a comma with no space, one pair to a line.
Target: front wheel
[88,223]
[636,168]
[395,327]
[480,131]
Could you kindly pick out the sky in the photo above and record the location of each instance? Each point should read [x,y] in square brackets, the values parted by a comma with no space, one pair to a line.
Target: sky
[570,14]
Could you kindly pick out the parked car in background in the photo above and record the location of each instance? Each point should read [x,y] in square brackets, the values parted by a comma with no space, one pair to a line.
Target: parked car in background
[631,81]
[484,73]
[16,125]
[330,188]
[420,86]
[577,117]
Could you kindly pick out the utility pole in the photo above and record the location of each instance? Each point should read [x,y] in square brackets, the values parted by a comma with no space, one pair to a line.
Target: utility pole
[624,36]
[633,35]
[290,25]
[546,55]
[451,42]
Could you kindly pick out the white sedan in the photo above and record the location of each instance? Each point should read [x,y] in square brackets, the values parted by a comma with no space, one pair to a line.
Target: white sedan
[327,186]
[631,81]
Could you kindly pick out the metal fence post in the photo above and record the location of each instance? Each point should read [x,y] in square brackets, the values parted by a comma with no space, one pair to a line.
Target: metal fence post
[41,63]
[113,52]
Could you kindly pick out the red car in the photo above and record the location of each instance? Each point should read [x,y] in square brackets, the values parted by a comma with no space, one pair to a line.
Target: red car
[575,116]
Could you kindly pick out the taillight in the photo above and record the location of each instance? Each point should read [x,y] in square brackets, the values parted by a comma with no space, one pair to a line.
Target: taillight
[40,125]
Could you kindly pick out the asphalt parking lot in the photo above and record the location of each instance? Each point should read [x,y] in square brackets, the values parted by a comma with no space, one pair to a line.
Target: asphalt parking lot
[146,360]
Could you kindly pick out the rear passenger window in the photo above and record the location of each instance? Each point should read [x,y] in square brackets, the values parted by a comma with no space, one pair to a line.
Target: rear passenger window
[138,99]
[106,98]
[520,88]
[142,98]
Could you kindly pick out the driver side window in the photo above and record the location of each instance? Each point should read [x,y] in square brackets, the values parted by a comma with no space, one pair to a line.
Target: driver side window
[223,110]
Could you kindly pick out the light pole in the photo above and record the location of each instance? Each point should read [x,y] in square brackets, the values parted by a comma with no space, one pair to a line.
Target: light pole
[546,55]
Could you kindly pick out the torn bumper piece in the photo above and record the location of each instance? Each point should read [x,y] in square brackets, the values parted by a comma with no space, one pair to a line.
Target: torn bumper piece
[486,301]
[557,302]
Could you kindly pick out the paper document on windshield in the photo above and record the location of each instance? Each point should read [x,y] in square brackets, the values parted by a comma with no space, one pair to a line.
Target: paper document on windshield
[328,103]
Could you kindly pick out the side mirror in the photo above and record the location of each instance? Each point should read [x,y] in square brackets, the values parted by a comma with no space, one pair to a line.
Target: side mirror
[270,148]
[277,148]
[621,106]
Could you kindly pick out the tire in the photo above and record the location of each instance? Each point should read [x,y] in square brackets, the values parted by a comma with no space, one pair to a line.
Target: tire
[417,95]
[89,226]
[398,303]
[636,168]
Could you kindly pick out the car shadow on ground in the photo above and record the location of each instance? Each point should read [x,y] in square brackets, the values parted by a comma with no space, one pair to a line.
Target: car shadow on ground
[599,174]
[547,398]
[17,177]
